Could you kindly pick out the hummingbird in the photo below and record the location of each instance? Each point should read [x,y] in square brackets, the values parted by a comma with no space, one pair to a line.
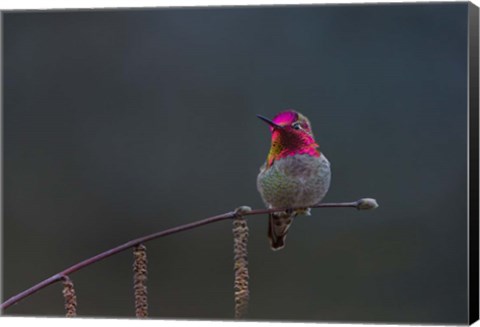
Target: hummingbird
[295,175]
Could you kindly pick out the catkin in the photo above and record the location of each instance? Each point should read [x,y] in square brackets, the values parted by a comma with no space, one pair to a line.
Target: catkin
[140,280]
[70,298]
[240,240]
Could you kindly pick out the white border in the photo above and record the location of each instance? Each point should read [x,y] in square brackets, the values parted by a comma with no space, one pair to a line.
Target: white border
[91,4]
[72,4]
[78,322]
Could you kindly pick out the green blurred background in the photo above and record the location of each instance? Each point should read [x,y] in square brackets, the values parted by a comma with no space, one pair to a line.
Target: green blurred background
[120,123]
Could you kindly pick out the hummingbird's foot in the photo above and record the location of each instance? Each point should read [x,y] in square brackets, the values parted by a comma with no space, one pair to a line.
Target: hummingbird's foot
[303,211]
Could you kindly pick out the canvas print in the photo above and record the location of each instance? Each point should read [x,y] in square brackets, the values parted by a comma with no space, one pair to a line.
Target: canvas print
[306,163]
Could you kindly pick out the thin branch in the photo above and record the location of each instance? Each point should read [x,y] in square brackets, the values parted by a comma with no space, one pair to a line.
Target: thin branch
[362,204]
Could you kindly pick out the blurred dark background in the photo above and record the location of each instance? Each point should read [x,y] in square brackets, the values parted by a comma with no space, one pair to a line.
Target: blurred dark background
[120,123]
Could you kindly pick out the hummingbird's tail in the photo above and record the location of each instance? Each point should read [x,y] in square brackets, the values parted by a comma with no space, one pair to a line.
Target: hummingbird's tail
[278,225]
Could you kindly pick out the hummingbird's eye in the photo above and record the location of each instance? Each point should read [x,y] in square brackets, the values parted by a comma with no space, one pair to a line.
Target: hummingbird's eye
[296,125]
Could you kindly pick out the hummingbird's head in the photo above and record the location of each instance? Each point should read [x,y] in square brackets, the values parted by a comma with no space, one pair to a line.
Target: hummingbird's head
[291,134]
[289,122]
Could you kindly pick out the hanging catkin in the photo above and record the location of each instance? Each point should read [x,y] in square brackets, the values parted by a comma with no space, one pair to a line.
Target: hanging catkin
[240,240]
[140,280]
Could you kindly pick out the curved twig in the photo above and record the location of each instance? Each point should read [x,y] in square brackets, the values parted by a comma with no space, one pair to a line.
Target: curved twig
[362,204]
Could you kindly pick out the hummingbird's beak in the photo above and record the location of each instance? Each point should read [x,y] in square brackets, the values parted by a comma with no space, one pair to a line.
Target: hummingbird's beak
[268,121]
